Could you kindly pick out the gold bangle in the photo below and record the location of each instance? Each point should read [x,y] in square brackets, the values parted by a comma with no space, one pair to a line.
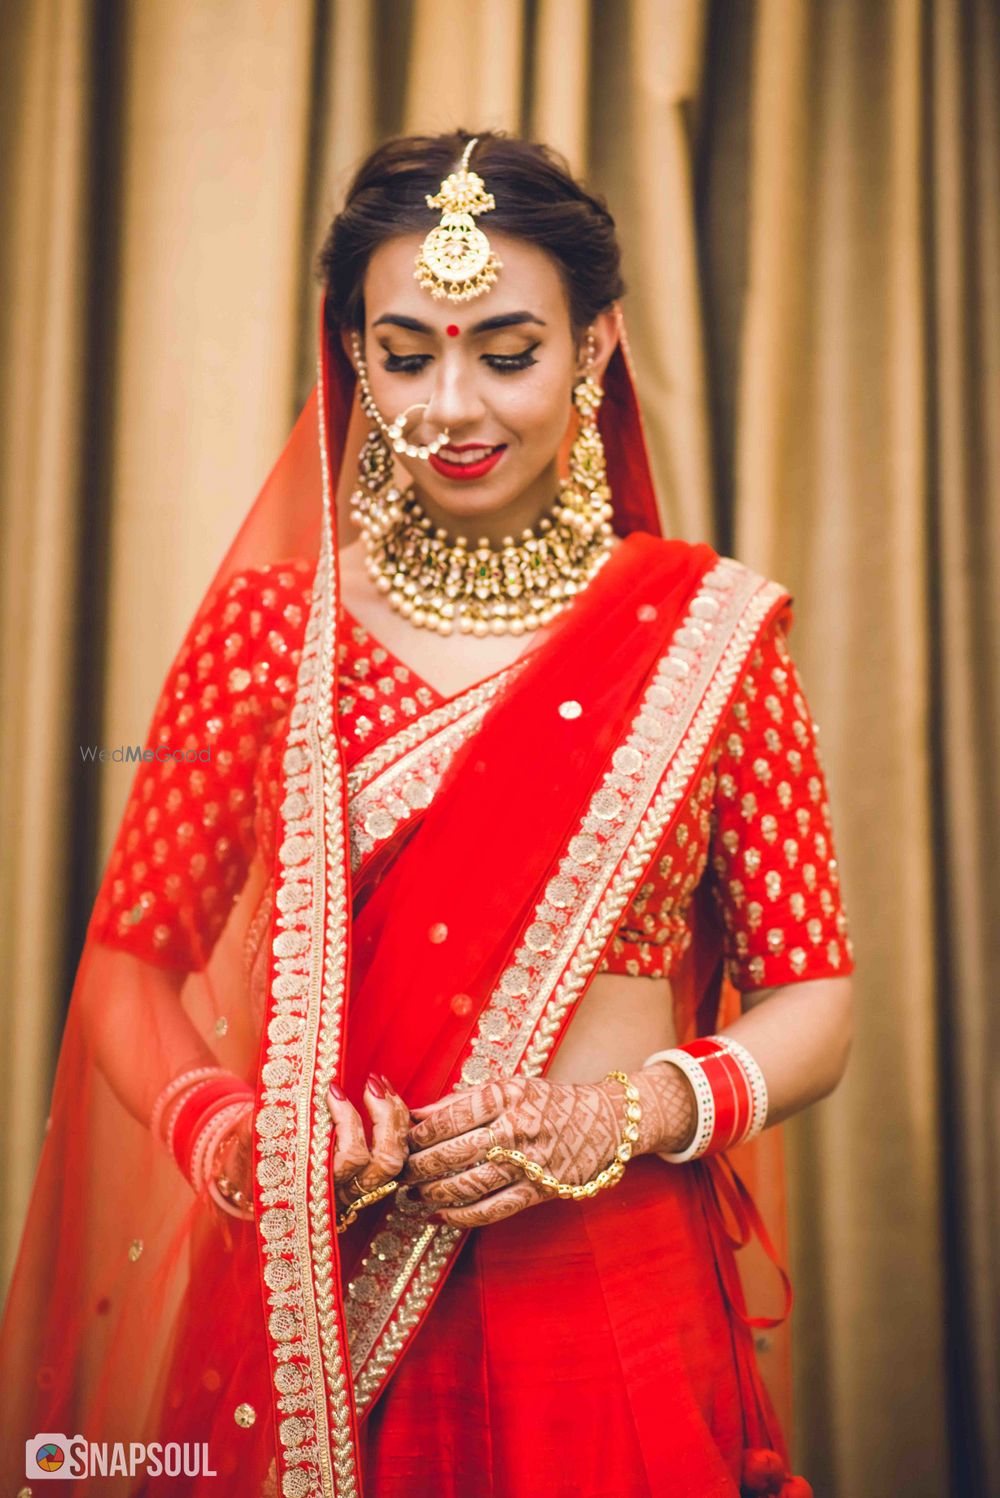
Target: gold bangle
[609,1176]
[366,1200]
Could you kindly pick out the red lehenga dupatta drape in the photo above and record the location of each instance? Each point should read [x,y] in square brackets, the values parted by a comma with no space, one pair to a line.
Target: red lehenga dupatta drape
[485,852]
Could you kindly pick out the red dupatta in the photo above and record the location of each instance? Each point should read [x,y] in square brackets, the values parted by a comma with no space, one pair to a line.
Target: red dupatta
[478,936]
[436,912]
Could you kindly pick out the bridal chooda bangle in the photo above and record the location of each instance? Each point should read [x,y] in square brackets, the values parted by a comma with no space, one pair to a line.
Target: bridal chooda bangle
[194,1114]
[609,1176]
[730,1094]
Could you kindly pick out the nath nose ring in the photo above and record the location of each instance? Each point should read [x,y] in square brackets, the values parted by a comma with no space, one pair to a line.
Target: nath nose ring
[413,449]
[393,431]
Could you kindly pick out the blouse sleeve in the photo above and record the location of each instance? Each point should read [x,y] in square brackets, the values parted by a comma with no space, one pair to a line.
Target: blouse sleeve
[772,863]
[185,843]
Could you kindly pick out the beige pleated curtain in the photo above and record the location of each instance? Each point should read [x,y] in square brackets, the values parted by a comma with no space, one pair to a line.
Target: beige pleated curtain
[809,197]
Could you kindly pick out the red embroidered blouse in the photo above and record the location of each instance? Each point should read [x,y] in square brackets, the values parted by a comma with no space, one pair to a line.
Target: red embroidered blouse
[758,827]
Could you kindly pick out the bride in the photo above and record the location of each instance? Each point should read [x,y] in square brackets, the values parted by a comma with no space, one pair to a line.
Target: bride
[478,861]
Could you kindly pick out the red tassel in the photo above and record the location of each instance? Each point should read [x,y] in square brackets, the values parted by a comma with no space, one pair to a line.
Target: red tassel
[796,1487]
[763,1471]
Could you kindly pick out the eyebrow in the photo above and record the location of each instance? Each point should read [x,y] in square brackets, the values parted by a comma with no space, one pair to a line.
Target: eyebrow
[488,324]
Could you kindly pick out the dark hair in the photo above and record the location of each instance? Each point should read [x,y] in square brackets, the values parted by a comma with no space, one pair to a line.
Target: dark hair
[537,199]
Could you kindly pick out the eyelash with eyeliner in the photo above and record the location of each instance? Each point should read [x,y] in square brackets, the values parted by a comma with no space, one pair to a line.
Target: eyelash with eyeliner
[499,363]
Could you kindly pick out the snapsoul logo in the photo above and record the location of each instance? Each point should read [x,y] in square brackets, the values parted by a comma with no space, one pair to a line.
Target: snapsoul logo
[53,1454]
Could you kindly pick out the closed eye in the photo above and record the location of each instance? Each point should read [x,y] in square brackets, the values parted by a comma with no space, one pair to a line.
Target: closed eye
[413,364]
[405,363]
[507,363]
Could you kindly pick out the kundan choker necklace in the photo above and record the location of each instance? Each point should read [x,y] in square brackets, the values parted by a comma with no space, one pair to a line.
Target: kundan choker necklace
[444,583]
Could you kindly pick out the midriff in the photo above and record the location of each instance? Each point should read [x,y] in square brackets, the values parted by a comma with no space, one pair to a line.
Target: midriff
[618,1023]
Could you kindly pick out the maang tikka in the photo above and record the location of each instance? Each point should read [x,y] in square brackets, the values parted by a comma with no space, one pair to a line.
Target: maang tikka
[455,259]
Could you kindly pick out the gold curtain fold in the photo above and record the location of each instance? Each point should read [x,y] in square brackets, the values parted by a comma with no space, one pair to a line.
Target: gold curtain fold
[961,118]
[831,494]
[46,86]
[809,198]
[214,118]
[645,91]
[464,62]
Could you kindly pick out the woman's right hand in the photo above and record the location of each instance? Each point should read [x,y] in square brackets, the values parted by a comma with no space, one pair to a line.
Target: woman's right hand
[356,1168]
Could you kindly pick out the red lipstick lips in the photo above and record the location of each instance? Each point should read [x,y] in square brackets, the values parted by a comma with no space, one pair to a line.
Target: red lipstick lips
[467,471]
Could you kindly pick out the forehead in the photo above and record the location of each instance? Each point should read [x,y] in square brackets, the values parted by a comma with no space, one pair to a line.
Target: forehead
[528,278]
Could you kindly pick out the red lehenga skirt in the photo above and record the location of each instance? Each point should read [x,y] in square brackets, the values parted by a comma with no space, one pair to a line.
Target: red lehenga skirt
[585,1349]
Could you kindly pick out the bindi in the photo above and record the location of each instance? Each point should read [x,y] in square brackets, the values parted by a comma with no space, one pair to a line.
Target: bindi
[452,330]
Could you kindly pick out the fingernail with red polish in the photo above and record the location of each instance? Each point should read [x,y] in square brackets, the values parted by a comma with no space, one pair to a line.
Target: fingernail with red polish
[338,1093]
[375,1085]
[388,1086]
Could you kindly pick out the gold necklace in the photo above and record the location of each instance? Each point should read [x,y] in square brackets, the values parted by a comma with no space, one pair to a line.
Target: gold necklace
[440,583]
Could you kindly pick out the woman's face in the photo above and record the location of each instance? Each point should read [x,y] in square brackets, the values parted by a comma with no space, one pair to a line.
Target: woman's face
[497,372]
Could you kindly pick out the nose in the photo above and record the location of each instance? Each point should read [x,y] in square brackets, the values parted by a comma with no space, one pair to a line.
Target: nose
[454,402]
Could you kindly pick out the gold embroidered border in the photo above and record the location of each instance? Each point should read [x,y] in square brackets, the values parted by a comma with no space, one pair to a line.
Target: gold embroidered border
[658,741]
[316,1445]
[668,736]
[398,744]
[642,846]
[408,786]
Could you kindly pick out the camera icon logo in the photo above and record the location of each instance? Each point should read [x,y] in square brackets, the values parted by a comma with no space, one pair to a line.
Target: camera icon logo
[46,1454]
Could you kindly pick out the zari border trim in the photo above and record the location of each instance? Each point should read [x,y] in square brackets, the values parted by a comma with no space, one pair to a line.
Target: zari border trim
[316,1447]
[399,744]
[407,786]
[651,771]
[670,795]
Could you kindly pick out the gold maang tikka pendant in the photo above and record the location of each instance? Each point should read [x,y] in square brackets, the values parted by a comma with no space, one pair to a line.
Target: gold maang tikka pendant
[455,259]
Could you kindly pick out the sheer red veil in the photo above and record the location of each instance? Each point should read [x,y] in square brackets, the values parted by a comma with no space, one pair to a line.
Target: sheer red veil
[118,1258]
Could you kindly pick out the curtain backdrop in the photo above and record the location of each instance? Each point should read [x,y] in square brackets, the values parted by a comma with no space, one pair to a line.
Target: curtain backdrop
[809,197]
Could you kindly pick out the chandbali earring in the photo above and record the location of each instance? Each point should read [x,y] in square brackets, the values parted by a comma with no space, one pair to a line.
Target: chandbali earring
[587,467]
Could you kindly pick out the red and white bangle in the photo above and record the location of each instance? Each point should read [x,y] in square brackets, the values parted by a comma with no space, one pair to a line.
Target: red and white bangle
[172,1094]
[193,1113]
[730,1094]
[245,1214]
[222,1122]
[704,1097]
[757,1085]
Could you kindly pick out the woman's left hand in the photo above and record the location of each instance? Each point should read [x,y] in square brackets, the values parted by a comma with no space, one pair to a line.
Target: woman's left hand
[571,1129]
